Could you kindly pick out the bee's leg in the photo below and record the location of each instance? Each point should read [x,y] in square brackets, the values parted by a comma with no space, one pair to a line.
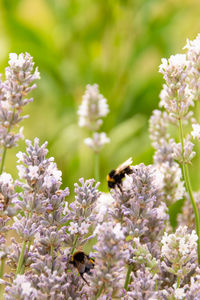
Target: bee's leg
[84,278]
[119,186]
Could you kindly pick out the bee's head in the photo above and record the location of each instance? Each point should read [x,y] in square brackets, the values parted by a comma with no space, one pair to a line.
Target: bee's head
[111,174]
[111,184]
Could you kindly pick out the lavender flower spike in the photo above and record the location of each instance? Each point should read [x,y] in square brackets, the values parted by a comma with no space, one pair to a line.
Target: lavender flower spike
[179,251]
[97,141]
[13,95]
[109,272]
[94,106]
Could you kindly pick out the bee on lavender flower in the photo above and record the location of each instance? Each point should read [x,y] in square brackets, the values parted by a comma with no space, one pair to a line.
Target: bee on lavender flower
[83,263]
[114,178]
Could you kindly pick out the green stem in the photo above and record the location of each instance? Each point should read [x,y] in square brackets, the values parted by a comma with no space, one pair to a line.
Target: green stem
[5,149]
[96,166]
[23,267]
[3,259]
[189,190]
[3,159]
[21,258]
[74,245]
[99,292]
[128,274]
[52,248]
[178,282]
[2,265]
[156,285]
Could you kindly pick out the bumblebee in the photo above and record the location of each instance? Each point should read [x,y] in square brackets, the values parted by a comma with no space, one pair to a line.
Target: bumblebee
[83,263]
[114,178]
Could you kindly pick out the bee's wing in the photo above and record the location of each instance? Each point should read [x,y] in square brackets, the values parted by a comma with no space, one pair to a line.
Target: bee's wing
[81,267]
[124,165]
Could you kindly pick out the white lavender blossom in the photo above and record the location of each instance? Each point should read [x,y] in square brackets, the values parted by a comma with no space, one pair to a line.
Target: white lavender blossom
[173,293]
[176,97]
[104,203]
[7,194]
[193,57]
[179,251]
[173,188]
[196,131]
[93,108]
[82,211]
[139,255]
[13,91]
[97,142]
[21,289]
[171,174]
[187,154]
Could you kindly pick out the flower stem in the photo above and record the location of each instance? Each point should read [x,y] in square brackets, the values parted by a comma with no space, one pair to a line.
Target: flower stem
[74,245]
[178,282]
[2,265]
[3,259]
[23,267]
[1,285]
[3,159]
[52,248]
[128,274]
[99,292]
[156,285]
[5,148]
[21,258]
[96,166]
[189,190]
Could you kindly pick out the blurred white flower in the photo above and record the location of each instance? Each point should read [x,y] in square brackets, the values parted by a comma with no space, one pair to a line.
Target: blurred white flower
[179,293]
[97,142]
[173,66]
[196,131]
[117,230]
[179,249]
[104,202]
[33,172]
[93,107]
[65,209]
[73,228]
[6,178]
[16,61]
[161,211]
[84,228]
[21,171]
[20,156]
[25,285]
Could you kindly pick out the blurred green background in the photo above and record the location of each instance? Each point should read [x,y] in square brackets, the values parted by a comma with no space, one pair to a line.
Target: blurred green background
[115,43]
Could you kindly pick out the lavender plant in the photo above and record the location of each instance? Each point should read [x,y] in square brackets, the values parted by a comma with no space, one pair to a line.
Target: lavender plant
[91,111]
[135,254]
